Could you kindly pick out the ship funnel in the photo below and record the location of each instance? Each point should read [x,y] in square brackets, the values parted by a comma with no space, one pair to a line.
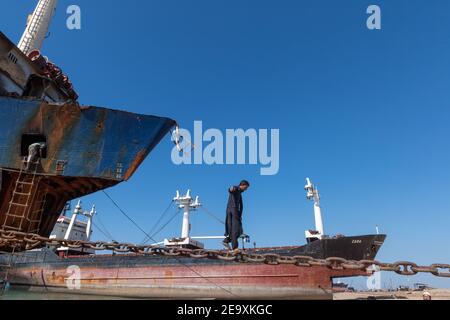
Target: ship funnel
[37,26]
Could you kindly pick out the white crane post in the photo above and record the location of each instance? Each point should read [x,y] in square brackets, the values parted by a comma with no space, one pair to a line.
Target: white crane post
[187,204]
[90,216]
[37,26]
[318,217]
[76,211]
[313,194]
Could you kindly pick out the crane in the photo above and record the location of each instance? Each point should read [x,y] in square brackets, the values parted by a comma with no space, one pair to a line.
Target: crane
[37,26]
[313,194]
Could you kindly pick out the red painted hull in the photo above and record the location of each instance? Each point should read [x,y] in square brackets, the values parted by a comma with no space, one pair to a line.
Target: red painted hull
[203,281]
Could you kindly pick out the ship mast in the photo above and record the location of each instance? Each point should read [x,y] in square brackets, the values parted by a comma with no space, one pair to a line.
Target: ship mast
[89,215]
[187,204]
[75,225]
[312,193]
[37,26]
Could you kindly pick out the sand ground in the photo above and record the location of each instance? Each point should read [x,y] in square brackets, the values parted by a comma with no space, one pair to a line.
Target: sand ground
[436,294]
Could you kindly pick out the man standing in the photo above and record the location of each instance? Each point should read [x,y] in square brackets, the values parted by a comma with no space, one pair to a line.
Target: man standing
[235,207]
[35,152]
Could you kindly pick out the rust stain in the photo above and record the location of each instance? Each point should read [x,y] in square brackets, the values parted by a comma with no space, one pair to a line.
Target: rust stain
[82,156]
[135,164]
[168,274]
[62,119]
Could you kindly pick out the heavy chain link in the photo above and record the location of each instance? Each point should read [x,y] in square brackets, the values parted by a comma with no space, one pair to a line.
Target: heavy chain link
[22,241]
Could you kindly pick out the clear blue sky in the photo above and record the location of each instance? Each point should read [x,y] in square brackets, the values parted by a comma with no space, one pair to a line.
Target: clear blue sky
[364,113]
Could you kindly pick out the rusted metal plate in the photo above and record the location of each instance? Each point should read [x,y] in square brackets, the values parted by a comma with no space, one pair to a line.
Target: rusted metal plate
[91,142]
[165,279]
[88,149]
[14,64]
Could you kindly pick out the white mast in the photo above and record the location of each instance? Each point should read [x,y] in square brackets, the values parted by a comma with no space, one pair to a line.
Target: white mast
[37,26]
[313,194]
[187,204]
[90,216]
[75,214]
[75,225]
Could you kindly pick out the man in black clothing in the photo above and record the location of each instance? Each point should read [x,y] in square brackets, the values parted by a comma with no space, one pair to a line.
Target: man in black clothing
[235,207]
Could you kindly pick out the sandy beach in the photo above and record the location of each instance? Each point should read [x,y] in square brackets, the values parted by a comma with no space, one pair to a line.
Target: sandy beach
[436,294]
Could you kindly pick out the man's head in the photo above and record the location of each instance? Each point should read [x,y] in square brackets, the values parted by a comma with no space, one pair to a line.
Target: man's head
[244,185]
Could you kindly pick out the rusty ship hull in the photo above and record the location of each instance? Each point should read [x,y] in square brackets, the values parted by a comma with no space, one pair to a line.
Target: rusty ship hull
[153,277]
[88,149]
[166,277]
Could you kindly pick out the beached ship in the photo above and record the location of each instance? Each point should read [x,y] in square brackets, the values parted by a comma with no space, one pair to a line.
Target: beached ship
[89,149]
[322,246]
[59,269]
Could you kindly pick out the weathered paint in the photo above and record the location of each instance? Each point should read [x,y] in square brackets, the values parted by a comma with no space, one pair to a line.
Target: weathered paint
[88,149]
[92,141]
[363,247]
[174,277]
[20,76]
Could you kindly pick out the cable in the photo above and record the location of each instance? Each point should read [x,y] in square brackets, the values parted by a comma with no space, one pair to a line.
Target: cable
[164,226]
[157,223]
[178,259]
[109,237]
[127,216]
[108,234]
[212,215]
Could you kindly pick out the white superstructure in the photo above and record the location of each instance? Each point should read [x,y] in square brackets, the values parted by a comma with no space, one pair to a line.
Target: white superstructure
[75,229]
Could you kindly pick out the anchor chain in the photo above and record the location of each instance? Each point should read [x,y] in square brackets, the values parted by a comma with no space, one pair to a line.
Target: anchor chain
[23,241]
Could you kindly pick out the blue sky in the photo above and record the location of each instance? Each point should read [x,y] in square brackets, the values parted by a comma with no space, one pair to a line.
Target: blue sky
[364,113]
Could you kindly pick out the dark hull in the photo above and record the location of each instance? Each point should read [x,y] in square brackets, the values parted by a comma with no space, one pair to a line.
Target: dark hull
[363,247]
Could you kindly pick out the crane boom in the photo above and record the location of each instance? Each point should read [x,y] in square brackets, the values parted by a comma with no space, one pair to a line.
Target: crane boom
[37,26]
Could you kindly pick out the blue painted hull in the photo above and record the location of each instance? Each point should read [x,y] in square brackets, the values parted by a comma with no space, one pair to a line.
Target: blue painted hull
[88,149]
[91,142]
